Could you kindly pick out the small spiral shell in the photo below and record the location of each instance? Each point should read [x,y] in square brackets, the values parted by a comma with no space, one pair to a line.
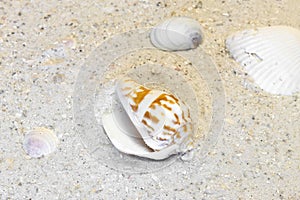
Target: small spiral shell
[161,118]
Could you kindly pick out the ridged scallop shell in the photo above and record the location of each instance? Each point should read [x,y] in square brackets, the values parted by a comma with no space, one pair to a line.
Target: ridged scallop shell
[177,33]
[40,142]
[161,122]
[270,55]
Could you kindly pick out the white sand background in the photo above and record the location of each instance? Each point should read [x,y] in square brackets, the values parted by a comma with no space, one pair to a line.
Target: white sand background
[42,48]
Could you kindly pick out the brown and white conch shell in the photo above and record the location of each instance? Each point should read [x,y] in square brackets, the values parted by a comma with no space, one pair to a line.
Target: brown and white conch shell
[151,123]
[40,142]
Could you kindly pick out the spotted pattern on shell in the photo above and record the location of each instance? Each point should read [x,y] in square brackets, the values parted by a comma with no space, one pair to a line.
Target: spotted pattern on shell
[161,118]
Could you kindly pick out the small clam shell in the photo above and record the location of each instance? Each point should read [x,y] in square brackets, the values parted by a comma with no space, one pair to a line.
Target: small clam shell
[152,123]
[177,33]
[270,55]
[40,142]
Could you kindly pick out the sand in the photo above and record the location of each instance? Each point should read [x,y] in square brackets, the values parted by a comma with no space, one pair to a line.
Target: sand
[45,46]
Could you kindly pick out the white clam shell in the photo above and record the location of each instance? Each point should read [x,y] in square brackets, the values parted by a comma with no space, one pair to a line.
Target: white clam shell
[270,55]
[40,142]
[177,33]
[152,123]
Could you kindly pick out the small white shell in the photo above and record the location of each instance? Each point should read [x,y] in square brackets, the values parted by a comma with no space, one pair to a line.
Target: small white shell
[40,142]
[177,33]
[153,124]
[271,56]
